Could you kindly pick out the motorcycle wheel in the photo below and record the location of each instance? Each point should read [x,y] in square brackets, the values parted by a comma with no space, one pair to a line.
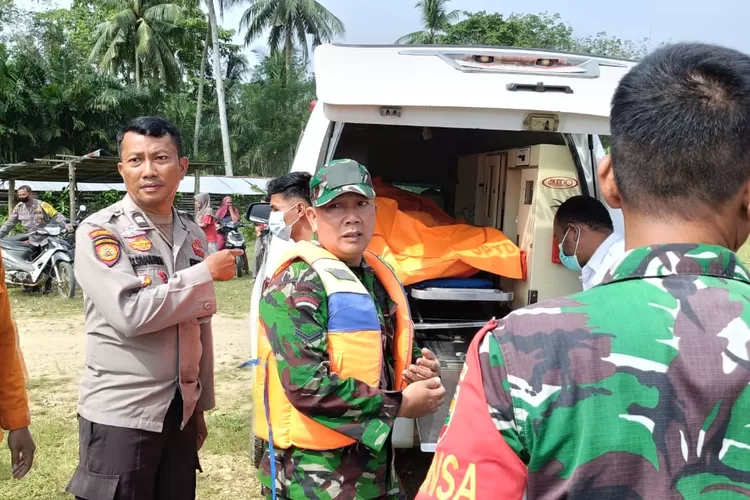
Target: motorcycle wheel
[239,265]
[66,281]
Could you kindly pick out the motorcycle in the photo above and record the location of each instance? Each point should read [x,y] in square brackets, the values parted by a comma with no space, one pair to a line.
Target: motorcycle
[33,267]
[235,240]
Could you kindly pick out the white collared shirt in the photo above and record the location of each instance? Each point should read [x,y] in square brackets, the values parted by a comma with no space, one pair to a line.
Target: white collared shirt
[605,256]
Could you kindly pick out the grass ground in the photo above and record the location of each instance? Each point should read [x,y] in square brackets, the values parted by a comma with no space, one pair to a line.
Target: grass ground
[52,339]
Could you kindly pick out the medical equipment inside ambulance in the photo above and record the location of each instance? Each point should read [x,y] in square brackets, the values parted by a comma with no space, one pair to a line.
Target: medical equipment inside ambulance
[459,275]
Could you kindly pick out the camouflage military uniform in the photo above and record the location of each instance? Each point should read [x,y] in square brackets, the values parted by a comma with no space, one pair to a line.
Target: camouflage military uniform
[294,310]
[637,388]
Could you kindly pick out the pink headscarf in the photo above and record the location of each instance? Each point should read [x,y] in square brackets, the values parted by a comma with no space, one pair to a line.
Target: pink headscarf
[228,208]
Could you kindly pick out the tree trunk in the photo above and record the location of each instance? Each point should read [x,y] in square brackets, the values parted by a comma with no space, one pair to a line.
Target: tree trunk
[288,51]
[137,70]
[218,75]
[199,109]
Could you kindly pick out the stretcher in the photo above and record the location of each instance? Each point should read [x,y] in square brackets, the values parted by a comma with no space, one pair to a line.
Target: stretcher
[444,310]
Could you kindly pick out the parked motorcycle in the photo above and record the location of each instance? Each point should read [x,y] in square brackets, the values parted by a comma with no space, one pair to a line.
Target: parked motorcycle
[235,240]
[49,264]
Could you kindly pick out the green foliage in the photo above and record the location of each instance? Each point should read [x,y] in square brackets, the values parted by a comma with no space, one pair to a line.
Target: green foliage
[541,31]
[289,23]
[436,19]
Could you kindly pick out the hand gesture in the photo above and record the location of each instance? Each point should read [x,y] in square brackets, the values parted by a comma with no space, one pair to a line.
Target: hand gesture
[422,398]
[222,264]
[425,367]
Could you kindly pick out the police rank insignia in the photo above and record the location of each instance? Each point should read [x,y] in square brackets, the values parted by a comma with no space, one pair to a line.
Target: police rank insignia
[141,244]
[139,219]
[145,280]
[198,249]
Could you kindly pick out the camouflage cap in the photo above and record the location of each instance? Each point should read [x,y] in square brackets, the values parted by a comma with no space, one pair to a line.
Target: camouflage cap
[339,177]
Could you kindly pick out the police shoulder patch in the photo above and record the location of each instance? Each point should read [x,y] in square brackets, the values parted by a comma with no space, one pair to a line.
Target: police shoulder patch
[107,250]
[100,233]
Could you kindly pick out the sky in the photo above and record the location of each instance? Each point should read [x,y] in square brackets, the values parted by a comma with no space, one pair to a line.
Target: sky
[383,21]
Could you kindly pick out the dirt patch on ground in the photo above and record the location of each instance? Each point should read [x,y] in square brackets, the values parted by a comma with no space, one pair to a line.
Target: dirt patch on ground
[55,347]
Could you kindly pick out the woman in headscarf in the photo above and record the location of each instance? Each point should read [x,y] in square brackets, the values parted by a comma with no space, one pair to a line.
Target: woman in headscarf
[205,219]
[227,212]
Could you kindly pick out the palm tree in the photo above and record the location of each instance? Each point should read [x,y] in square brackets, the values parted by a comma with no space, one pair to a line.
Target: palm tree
[220,94]
[289,23]
[199,106]
[138,33]
[435,18]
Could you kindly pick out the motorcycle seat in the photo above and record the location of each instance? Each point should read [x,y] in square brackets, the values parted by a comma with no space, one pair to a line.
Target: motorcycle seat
[14,245]
[18,237]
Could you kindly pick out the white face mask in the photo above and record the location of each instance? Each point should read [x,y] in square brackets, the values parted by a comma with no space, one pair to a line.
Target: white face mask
[278,227]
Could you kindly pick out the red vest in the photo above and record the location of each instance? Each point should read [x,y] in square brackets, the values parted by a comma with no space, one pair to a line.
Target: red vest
[472,460]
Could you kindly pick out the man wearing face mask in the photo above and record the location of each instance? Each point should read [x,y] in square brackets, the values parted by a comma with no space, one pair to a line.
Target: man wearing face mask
[33,214]
[587,241]
[336,349]
[290,197]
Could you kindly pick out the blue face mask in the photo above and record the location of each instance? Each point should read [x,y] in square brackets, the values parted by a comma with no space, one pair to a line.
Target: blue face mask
[570,261]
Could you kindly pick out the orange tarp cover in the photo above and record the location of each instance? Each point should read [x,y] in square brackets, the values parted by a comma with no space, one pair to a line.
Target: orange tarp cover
[431,245]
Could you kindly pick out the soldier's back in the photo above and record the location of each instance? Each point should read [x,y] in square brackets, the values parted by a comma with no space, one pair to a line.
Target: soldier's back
[638,388]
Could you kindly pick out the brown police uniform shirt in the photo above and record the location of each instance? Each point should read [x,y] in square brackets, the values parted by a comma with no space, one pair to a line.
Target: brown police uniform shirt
[148,304]
[32,215]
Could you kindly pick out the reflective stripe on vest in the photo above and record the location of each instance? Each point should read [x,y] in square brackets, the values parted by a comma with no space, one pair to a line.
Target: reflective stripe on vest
[472,460]
[354,347]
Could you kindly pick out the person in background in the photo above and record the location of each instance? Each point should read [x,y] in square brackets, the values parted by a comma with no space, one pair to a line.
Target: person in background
[14,404]
[587,241]
[335,353]
[206,221]
[289,198]
[638,388]
[149,295]
[33,214]
[227,212]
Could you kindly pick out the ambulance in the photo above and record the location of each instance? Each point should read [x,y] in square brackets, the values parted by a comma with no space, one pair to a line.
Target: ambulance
[495,137]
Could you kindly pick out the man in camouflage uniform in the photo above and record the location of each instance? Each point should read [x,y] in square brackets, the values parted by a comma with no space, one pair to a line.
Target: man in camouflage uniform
[294,313]
[32,214]
[639,387]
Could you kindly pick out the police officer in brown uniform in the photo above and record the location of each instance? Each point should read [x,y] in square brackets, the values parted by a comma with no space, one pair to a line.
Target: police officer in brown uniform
[148,288]
[33,214]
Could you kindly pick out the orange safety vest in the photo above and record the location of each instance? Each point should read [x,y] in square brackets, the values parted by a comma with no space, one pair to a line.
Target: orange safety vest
[354,347]
[466,467]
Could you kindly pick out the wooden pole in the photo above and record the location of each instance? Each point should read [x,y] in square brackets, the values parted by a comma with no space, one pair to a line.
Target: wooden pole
[72,189]
[11,195]
[197,182]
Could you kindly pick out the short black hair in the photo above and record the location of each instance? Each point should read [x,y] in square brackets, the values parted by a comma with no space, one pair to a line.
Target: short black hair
[291,185]
[584,210]
[24,188]
[152,126]
[680,124]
